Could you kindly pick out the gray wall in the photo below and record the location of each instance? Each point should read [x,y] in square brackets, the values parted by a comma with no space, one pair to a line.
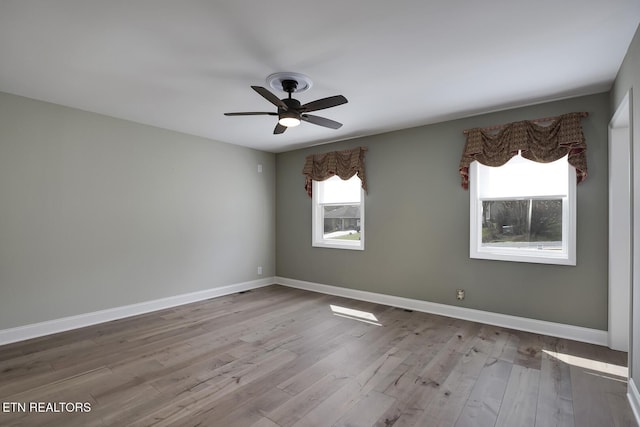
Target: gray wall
[417,225]
[629,78]
[97,212]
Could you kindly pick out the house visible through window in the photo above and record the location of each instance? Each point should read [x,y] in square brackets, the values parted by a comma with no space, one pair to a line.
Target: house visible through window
[523,211]
[338,213]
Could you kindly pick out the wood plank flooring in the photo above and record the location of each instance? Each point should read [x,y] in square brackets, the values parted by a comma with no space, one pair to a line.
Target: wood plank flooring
[281,357]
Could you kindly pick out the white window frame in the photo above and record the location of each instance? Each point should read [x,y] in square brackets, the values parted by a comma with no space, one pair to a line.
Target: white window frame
[566,256]
[317,224]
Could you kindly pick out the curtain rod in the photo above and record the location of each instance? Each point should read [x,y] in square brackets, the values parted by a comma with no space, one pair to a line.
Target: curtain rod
[542,120]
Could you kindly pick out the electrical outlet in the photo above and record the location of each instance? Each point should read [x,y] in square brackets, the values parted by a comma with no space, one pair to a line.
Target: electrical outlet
[459,294]
[259,270]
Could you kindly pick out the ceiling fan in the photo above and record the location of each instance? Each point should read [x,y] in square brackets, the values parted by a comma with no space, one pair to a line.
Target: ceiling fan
[290,112]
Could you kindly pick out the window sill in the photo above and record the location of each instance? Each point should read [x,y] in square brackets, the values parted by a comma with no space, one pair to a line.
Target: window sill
[525,256]
[353,245]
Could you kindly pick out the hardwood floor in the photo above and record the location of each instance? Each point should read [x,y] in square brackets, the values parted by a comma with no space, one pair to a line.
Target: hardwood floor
[278,356]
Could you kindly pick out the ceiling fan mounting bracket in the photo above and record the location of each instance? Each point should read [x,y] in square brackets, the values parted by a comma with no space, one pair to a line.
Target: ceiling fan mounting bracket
[289,86]
[280,81]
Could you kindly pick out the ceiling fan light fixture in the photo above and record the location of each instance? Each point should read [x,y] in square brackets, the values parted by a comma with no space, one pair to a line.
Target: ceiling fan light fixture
[289,120]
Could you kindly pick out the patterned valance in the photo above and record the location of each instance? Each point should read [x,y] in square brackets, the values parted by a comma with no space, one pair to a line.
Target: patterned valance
[345,164]
[535,142]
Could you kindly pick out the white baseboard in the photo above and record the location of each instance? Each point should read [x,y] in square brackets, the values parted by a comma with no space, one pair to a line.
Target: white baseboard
[577,333]
[35,330]
[634,399]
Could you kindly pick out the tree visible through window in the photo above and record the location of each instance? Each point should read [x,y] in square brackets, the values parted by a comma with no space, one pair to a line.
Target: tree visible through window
[529,223]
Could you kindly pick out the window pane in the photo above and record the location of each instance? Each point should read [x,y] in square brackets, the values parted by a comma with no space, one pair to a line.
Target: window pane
[338,214]
[336,190]
[341,222]
[520,177]
[529,223]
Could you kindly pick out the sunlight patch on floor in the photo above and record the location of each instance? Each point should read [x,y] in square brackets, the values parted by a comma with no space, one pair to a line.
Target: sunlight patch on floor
[592,365]
[350,313]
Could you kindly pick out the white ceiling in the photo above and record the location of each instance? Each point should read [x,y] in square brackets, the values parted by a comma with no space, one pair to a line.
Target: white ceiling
[181,64]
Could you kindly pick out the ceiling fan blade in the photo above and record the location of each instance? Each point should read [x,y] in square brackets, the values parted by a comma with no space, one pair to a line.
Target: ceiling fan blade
[323,103]
[279,129]
[252,113]
[321,121]
[270,97]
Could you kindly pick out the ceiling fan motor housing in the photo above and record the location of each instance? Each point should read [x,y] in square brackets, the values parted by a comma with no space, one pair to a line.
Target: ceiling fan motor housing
[292,104]
[293,107]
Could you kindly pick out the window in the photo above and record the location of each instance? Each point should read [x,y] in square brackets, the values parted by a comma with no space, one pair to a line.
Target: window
[523,211]
[338,213]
